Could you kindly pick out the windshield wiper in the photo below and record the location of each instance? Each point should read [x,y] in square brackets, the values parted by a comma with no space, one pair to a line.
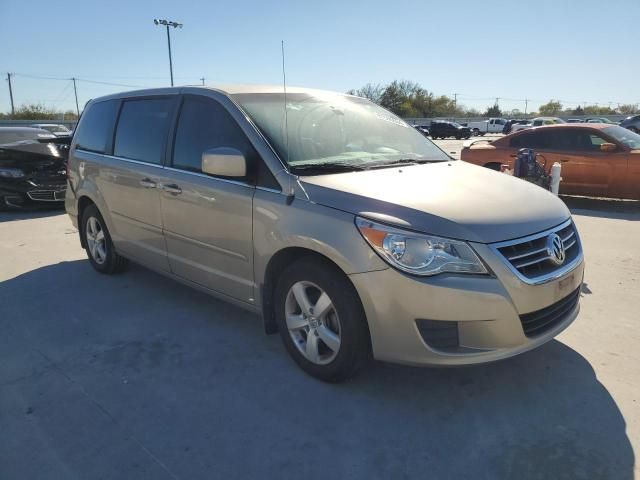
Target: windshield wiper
[326,168]
[402,161]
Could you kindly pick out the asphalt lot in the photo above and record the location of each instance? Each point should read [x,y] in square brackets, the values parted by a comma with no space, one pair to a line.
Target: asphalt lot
[135,376]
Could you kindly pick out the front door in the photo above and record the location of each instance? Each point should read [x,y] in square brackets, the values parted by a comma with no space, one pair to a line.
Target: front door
[208,220]
[586,170]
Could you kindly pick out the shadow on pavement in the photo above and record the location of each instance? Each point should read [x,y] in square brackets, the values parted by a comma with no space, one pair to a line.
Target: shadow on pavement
[603,207]
[26,214]
[137,376]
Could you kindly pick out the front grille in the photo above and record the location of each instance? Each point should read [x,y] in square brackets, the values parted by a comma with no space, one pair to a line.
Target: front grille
[47,195]
[538,322]
[529,258]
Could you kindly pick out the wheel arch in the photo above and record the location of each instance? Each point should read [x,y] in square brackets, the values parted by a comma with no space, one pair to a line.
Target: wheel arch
[276,265]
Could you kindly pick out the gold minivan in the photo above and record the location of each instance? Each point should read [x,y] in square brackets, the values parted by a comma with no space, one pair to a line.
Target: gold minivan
[350,233]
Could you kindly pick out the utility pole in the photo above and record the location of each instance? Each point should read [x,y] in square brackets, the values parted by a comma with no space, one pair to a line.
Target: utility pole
[526,105]
[168,23]
[202,78]
[455,100]
[13,110]
[75,91]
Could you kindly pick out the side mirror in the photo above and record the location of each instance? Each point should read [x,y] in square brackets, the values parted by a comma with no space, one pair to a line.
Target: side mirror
[224,162]
[608,147]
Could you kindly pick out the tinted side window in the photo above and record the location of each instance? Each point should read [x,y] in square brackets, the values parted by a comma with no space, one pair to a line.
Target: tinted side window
[204,124]
[142,129]
[530,140]
[575,140]
[96,126]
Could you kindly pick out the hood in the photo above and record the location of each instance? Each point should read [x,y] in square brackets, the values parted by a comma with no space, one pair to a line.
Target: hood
[450,199]
[31,155]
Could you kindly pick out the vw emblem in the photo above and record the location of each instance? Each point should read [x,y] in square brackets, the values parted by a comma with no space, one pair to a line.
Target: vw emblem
[555,249]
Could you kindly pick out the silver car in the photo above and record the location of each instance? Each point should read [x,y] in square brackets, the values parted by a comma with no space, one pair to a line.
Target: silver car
[347,231]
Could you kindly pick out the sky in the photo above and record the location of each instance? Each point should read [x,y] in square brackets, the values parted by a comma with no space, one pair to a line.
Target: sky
[576,51]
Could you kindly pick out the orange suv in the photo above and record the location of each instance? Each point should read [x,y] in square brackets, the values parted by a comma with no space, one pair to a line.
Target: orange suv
[600,160]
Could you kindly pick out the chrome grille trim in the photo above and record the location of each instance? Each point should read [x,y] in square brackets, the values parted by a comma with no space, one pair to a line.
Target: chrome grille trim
[47,195]
[535,254]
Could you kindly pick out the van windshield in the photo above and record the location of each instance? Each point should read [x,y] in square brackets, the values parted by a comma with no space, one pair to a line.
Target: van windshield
[335,130]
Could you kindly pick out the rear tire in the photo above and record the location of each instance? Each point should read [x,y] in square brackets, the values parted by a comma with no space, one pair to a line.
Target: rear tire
[98,244]
[321,320]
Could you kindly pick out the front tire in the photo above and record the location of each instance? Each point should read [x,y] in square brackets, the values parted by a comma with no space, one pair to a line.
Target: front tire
[321,320]
[98,244]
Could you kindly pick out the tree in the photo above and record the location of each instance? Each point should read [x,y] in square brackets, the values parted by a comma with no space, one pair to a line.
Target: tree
[552,108]
[493,111]
[37,111]
[369,91]
[628,109]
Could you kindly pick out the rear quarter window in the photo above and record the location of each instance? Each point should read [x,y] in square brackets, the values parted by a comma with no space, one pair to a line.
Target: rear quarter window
[96,126]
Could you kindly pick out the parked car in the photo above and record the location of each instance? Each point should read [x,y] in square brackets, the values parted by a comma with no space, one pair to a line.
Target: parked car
[350,233]
[575,120]
[57,130]
[599,120]
[31,172]
[508,127]
[537,122]
[422,129]
[444,129]
[493,125]
[632,123]
[597,159]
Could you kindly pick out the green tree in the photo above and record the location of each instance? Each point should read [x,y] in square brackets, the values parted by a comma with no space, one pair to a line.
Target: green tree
[552,108]
[493,111]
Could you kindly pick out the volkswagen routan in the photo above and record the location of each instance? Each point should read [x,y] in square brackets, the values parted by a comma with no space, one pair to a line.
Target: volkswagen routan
[349,233]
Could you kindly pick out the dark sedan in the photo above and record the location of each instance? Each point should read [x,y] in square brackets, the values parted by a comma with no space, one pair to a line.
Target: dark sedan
[32,168]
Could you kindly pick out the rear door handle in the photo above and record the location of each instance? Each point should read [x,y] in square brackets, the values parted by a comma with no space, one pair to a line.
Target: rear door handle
[171,188]
[564,160]
[147,183]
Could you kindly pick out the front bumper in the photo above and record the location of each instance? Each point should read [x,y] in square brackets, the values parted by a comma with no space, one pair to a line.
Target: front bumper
[25,193]
[487,311]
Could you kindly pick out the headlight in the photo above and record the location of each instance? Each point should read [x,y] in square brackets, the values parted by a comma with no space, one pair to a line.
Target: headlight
[11,173]
[420,254]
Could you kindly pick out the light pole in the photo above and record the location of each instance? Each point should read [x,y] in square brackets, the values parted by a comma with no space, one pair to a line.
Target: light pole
[168,23]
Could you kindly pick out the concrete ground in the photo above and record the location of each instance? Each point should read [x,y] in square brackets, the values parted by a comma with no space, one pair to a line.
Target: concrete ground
[135,376]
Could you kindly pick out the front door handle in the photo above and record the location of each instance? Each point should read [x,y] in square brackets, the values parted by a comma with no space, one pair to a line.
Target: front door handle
[171,188]
[147,183]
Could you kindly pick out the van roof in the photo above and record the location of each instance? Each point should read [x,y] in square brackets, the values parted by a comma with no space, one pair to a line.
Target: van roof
[229,89]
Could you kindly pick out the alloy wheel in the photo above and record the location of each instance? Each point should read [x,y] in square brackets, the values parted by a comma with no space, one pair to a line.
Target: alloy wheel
[96,241]
[313,322]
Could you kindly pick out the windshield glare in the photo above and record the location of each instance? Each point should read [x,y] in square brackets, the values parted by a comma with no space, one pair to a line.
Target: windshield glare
[626,137]
[332,128]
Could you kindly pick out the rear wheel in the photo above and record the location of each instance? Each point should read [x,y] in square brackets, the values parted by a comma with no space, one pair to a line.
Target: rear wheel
[98,244]
[321,321]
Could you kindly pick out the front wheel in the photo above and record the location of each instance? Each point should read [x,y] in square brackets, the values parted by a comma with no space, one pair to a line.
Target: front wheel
[98,244]
[321,320]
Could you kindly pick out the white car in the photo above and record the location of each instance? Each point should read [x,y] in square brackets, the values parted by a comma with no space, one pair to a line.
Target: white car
[537,122]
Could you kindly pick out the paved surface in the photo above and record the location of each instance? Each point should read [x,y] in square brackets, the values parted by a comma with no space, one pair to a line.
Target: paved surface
[135,376]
